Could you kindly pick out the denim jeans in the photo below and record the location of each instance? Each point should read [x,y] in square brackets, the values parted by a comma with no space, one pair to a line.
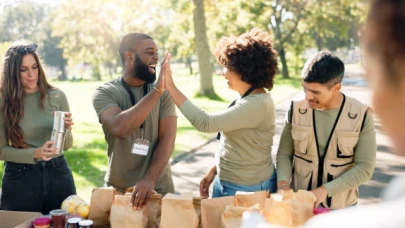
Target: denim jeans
[41,187]
[223,188]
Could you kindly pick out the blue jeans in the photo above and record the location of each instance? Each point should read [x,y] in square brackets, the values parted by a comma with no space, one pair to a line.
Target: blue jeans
[40,187]
[223,188]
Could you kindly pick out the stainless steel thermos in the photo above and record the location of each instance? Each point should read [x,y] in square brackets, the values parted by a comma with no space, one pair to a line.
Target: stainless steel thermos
[59,130]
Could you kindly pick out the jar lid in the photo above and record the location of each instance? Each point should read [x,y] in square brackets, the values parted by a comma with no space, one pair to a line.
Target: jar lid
[42,221]
[85,223]
[58,212]
[74,220]
[320,210]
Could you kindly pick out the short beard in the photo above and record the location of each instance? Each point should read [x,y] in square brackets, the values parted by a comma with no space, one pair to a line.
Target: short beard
[141,70]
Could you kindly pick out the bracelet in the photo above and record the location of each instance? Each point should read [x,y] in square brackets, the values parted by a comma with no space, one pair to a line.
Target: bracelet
[158,90]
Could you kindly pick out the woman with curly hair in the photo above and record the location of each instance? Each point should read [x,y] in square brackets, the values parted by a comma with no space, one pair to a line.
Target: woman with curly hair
[247,127]
[36,176]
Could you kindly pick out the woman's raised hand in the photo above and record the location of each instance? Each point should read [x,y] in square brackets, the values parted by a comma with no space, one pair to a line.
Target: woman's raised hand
[164,70]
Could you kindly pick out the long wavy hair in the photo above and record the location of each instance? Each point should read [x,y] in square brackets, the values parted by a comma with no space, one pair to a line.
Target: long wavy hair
[12,90]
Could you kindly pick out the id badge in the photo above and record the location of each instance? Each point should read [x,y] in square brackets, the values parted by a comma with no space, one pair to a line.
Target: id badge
[140,147]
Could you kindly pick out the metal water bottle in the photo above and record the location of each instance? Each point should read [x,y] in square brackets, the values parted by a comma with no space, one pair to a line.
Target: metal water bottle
[59,130]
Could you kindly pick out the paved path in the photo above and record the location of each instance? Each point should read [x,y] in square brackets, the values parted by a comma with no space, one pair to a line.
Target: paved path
[191,168]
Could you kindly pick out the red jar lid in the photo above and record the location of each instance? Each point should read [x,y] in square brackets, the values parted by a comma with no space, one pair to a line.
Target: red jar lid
[42,221]
[320,210]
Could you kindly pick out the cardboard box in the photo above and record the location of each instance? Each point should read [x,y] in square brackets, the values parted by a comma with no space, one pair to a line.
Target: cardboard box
[17,219]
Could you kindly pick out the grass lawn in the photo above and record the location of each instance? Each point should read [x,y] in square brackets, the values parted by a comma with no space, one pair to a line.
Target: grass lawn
[88,158]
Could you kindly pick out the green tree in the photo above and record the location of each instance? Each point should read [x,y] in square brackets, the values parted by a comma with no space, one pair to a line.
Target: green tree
[30,21]
[331,23]
[20,20]
[88,35]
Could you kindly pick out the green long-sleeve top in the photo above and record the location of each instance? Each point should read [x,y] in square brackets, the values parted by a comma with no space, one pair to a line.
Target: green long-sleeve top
[364,156]
[36,124]
[248,127]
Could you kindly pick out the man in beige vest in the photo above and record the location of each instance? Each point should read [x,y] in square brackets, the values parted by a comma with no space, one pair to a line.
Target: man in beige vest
[328,143]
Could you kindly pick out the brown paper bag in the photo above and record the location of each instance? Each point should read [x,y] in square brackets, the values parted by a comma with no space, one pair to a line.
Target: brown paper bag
[248,199]
[153,209]
[288,208]
[212,209]
[197,208]
[123,216]
[100,205]
[232,216]
[178,211]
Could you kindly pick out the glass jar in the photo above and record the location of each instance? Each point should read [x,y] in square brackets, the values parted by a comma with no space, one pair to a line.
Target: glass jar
[73,222]
[58,218]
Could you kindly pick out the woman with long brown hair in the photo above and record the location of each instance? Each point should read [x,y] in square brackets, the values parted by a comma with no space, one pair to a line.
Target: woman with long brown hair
[36,175]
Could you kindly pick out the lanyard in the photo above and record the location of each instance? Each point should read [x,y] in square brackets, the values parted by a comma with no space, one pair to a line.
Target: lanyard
[234,102]
[132,97]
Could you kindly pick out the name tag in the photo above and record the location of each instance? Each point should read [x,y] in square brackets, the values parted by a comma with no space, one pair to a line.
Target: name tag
[140,147]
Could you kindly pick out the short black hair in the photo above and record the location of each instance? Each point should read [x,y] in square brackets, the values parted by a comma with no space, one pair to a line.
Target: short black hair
[323,68]
[129,41]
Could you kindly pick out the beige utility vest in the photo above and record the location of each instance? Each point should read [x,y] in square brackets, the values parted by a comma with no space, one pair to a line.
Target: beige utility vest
[311,170]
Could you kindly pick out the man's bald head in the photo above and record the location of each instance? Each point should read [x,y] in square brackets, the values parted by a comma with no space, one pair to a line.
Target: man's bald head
[129,41]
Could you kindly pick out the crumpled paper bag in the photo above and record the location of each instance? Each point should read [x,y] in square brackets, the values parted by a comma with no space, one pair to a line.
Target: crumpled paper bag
[288,208]
[212,209]
[100,205]
[248,199]
[123,216]
[197,208]
[178,211]
[153,209]
[232,216]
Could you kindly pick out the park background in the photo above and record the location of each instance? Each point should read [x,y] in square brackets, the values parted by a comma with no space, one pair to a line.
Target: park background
[78,42]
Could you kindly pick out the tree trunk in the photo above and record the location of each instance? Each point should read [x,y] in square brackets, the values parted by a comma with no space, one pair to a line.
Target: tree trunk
[283,59]
[189,65]
[203,50]
[62,76]
[319,42]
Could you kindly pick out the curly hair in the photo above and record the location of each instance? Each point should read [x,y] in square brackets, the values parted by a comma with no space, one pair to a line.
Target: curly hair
[12,90]
[385,34]
[251,55]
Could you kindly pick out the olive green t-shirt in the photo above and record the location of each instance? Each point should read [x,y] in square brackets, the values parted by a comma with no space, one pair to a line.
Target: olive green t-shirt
[248,127]
[36,124]
[125,168]
[364,156]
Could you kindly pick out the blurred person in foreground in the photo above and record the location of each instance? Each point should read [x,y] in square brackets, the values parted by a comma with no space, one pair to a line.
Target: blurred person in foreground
[243,161]
[384,43]
[328,143]
[36,176]
[139,122]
